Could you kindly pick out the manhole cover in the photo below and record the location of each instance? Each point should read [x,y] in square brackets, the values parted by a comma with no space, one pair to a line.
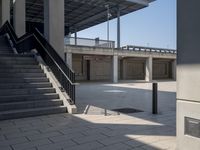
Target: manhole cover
[127,110]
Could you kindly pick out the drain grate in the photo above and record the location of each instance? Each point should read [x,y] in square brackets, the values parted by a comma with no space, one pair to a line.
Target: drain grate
[127,110]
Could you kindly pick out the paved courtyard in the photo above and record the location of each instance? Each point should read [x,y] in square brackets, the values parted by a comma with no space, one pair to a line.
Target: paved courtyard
[92,129]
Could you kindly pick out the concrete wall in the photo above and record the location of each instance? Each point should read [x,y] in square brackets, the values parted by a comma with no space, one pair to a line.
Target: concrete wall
[132,65]
[54,24]
[79,66]
[188,74]
[4,11]
[100,67]
[133,69]
[162,69]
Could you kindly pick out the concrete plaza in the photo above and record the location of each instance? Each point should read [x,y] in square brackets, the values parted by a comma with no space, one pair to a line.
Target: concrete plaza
[91,129]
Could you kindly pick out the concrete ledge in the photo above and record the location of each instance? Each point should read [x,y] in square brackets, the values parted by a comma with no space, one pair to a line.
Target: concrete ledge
[72,109]
[111,52]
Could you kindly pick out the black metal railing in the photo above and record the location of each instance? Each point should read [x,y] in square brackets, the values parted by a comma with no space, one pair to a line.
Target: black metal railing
[36,40]
[148,49]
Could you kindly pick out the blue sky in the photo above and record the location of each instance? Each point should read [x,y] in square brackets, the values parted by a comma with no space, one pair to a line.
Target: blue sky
[153,26]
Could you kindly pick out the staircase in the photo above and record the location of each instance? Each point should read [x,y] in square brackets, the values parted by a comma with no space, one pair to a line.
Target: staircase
[25,90]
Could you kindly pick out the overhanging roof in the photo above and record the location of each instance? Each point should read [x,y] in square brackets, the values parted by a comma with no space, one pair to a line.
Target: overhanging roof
[82,14]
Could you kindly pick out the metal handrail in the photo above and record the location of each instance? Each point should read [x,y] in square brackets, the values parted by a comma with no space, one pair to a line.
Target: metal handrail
[36,40]
[55,62]
[148,49]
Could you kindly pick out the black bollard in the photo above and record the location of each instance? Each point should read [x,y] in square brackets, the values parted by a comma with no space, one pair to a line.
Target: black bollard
[155,98]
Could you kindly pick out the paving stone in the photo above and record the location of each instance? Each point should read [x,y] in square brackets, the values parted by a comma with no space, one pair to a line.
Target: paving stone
[75,130]
[138,131]
[38,128]
[21,134]
[133,143]
[2,137]
[119,146]
[13,141]
[31,144]
[66,137]
[43,135]
[139,148]
[87,146]
[6,148]
[90,138]
[93,131]
[57,146]
[9,130]
[113,140]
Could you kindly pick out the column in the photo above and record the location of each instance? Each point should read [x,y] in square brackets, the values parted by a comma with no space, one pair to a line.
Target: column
[188,75]
[4,11]
[174,69]
[54,24]
[118,29]
[69,59]
[19,17]
[75,37]
[149,69]
[115,69]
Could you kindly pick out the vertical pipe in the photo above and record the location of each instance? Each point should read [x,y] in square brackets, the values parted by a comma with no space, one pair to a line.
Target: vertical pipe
[75,35]
[155,98]
[108,25]
[118,28]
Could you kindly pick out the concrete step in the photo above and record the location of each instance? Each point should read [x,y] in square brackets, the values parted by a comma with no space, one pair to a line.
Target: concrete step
[5,52]
[31,91]
[15,62]
[21,75]
[19,70]
[21,98]
[16,58]
[4,49]
[18,55]
[23,80]
[22,66]
[24,85]
[10,61]
[31,112]
[30,104]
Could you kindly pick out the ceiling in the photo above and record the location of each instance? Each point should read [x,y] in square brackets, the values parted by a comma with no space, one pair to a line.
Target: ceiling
[82,14]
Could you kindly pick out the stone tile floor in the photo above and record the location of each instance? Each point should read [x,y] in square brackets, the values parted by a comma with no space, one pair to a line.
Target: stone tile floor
[137,131]
[86,132]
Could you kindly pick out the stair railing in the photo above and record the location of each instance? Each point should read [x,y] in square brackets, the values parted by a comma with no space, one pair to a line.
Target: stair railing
[36,40]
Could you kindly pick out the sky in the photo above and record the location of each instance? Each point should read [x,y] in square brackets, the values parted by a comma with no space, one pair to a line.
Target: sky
[154,26]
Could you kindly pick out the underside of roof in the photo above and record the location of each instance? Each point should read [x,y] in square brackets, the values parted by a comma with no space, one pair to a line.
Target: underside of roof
[82,14]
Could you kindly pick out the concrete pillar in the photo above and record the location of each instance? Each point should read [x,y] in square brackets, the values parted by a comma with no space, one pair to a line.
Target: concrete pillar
[54,24]
[188,75]
[174,69]
[4,11]
[115,68]
[149,69]
[19,17]
[69,59]
[118,29]
[75,37]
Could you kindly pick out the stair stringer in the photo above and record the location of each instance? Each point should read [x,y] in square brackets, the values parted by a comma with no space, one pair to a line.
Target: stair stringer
[11,43]
[72,109]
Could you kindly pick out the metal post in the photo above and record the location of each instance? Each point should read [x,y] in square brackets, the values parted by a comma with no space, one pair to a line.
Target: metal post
[75,36]
[118,28]
[108,24]
[155,98]
[108,21]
